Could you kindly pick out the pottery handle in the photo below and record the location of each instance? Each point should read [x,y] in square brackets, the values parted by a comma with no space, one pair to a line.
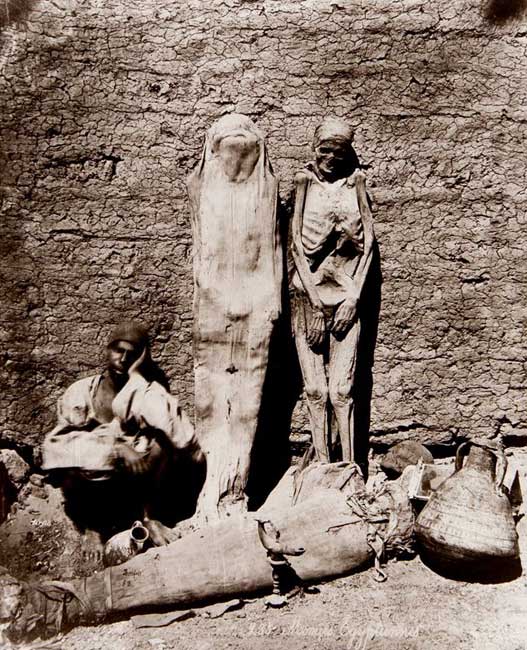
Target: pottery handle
[501,467]
[461,451]
[501,460]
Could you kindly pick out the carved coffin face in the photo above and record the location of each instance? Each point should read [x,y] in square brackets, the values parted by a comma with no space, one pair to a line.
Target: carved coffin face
[238,152]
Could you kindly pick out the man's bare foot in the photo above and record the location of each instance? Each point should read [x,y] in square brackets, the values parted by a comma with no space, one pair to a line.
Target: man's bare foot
[92,547]
[159,534]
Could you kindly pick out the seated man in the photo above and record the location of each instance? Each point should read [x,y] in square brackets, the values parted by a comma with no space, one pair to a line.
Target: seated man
[118,434]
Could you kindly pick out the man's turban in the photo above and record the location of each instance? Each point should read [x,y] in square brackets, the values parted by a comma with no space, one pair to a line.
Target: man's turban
[130,331]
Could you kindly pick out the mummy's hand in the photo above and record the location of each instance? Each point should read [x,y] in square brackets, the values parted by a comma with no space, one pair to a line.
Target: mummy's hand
[344,316]
[316,330]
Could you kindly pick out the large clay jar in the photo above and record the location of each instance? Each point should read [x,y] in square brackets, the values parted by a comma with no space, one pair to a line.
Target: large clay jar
[469,520]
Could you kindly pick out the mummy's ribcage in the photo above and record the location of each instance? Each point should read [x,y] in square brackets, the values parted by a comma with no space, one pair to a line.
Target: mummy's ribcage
[331,217]
[316,230]
[330,231]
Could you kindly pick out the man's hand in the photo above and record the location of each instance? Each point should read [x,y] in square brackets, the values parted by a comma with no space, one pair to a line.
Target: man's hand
[317,329]
[137,363]
[132,461]
[344,316]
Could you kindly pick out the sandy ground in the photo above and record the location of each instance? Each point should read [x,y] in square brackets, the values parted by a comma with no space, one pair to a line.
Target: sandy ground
[414,609]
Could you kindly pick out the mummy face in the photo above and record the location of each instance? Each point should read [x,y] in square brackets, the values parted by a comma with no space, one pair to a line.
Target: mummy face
[238,153]
[332,158]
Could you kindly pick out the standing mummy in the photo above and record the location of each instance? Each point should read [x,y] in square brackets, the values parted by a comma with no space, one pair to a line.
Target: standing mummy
[332,250]
[237,299]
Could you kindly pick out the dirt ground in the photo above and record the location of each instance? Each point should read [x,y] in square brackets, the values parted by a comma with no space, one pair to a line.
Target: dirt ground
[415,609]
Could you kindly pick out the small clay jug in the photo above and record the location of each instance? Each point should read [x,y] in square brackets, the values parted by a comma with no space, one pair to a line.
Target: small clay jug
[123,546]
[469,517]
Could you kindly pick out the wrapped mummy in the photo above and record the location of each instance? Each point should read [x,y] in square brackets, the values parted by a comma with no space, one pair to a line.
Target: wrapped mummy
[324,512]
[237,299]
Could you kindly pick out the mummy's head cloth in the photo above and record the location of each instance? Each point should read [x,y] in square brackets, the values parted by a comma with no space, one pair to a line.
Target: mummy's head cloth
[333,128]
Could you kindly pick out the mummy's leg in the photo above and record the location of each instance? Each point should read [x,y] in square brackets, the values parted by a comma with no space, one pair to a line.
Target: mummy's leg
[342,366]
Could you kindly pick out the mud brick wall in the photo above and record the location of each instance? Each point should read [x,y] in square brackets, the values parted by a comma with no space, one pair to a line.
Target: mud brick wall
[103,108]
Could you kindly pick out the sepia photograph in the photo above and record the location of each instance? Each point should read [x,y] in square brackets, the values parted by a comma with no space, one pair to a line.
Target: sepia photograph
[263,320]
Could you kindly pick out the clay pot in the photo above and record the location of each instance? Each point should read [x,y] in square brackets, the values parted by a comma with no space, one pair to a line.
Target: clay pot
[469,518]
[125,545]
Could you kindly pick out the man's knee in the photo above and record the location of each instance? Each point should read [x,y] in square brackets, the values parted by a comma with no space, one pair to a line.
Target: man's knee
[69,480]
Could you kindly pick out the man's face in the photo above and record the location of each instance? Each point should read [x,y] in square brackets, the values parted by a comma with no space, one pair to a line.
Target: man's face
[332,159]
[121,355]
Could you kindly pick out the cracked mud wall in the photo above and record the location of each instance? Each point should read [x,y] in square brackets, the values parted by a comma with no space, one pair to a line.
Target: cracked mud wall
[103,107]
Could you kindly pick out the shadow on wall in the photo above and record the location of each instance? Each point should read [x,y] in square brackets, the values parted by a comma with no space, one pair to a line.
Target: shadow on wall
[501,11]
[369,316]
[12,11]
[271,454]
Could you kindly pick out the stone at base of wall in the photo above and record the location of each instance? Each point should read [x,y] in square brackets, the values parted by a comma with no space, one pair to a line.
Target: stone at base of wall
[381,440]
[17,468]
